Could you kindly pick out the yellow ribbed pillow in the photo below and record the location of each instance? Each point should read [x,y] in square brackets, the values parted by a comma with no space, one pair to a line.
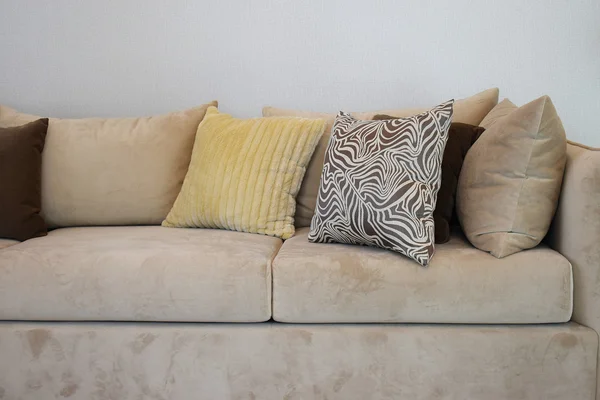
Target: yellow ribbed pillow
[244,174]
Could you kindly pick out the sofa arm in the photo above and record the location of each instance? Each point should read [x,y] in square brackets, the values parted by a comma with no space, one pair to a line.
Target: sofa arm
[575,232]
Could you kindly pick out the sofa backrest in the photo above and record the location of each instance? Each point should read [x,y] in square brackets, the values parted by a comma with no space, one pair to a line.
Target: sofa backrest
[115,171]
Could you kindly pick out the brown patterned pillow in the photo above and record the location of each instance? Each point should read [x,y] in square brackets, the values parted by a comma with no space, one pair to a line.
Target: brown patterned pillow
[460,139]
[380,182]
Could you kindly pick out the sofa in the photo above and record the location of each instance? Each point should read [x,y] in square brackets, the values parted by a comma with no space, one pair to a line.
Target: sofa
[140,311]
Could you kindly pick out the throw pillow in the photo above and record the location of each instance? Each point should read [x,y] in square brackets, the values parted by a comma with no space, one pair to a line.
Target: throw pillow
[380,182]
[245,174]
[113,171]
[460,139]
[511,179]
[470,110]
[20,180]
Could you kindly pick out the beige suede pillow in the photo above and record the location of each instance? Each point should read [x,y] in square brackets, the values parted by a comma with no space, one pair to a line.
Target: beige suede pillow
[511,178]
[470,110]
[115,171]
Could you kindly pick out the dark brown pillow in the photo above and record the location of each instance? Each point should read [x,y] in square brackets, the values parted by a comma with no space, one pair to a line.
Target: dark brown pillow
[20,180]
[460,139]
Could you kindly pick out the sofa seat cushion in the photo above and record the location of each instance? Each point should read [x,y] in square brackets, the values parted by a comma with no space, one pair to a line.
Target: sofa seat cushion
[138,274]
[344,283]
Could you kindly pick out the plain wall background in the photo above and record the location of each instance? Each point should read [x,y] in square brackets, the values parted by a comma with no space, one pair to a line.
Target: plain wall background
[68,58]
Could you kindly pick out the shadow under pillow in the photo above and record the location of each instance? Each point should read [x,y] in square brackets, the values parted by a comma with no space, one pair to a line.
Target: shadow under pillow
[21,180]
[460,139]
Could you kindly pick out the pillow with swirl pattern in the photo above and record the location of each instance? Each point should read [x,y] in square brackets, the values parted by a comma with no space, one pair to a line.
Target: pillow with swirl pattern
[380,182]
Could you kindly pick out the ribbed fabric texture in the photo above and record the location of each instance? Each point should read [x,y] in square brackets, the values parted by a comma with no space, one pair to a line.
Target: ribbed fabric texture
[244,174]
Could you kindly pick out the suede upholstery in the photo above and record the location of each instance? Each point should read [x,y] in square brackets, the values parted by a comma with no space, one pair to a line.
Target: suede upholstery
[21,180]
[575,232]
[106,361]
[503,108]
[510,181]
[113,171]
[158,274]
[333,283]
[138,274]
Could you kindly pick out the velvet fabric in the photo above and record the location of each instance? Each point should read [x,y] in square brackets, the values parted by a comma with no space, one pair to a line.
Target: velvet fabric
[336,283]
[503,108]
[510,181]
[106,361]
[138,274]
[576,231]
[21,180]
[113,171]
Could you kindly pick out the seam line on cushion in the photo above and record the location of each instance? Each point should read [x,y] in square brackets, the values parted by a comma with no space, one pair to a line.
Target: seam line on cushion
[513,232]
[572,290]
[271,266]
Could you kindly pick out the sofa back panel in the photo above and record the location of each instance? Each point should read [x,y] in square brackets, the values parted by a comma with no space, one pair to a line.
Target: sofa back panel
[115,171]
[280,361]
[470,110]
[575,232]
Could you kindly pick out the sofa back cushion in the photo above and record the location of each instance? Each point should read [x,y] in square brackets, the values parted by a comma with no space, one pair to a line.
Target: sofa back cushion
[115,171]
[470,110]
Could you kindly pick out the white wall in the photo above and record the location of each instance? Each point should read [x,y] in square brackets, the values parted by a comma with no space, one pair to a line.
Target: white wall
[132,57]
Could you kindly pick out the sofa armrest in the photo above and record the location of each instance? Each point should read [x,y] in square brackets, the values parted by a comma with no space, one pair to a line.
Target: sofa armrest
[575,232]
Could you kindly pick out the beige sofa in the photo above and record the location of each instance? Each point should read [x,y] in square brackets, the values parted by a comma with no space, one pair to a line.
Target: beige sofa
[145,312]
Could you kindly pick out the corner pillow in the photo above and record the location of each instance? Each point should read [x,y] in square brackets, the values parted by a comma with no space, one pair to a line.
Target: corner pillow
[113,171]
[511,178]
[470,110]
[380,182]
[245,174]
[20,180]
[460,139]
